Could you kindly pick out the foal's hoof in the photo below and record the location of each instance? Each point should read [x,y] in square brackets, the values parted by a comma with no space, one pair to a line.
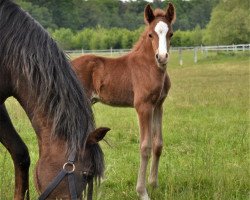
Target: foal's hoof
[142,193]
[144,197]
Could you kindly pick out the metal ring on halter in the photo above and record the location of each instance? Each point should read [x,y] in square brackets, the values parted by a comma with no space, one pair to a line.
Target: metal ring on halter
[69,164]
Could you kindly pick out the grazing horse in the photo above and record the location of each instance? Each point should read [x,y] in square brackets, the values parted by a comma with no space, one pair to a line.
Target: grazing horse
[37,73]
[138,79]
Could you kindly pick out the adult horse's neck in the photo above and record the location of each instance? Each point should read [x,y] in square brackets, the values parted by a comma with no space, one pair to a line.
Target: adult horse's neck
[53,150]
[42,126]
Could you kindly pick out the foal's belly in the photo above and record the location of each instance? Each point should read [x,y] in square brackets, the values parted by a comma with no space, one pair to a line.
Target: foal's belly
[115,96]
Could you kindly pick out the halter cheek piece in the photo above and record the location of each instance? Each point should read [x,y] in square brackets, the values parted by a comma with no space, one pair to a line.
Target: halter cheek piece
[64,172]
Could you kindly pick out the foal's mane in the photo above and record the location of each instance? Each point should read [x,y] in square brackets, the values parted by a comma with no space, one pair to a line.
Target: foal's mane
[28,52]
[158,13]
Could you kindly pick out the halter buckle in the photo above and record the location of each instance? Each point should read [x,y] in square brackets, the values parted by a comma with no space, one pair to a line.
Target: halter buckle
[68,165]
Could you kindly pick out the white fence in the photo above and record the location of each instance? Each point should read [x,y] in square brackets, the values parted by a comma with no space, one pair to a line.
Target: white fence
[238,47]
[203,49]
[102,52]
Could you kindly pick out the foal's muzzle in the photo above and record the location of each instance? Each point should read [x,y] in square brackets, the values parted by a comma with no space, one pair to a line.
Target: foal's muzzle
[162,59]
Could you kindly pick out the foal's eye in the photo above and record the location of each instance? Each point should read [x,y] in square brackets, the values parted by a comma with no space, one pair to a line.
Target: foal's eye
[150,35]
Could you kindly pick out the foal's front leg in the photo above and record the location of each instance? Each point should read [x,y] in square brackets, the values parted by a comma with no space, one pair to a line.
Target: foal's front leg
[145,114]
[19,153]
[157,146]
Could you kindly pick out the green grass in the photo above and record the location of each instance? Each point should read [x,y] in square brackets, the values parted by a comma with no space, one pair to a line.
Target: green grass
[206,136]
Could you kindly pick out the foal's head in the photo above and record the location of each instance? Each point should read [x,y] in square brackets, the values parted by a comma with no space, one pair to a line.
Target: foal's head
[160,31]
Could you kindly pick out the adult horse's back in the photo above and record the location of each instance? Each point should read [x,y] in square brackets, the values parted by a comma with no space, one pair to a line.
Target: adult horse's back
[38,75]
[140,80]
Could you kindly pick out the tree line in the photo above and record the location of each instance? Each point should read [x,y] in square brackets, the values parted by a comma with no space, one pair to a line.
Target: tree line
[102,24]
[79,14]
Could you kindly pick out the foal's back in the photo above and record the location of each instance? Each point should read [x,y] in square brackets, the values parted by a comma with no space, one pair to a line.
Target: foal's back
[107,80]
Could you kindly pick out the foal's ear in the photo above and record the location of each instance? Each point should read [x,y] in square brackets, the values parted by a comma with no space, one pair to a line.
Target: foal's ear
[170,13]
[97,135]
[148,14]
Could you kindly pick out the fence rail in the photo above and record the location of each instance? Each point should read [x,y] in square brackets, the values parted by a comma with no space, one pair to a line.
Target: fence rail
[203,49]
[238,47]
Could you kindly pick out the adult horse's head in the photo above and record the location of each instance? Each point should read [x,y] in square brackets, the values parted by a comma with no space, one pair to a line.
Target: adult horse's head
[160,31]
[55,164]
[37,73]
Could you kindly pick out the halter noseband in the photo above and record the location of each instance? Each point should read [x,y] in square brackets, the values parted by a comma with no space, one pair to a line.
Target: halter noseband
[64,172]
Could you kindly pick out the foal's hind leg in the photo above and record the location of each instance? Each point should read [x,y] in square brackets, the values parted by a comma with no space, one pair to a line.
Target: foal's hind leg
[157,146]
[19,153]
[145,113]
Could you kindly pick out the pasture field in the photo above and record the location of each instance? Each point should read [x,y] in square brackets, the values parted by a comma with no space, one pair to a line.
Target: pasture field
[205,128]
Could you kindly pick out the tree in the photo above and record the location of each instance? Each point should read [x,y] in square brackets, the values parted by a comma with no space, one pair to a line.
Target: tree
[229,23]
[41,14]
[79,14]
[192,13]
[63,12]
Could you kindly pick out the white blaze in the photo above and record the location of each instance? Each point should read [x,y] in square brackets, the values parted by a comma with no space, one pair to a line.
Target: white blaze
[161,29]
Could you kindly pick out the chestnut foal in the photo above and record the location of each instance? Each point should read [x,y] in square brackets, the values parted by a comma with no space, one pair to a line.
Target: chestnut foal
[36,72]
[140,80]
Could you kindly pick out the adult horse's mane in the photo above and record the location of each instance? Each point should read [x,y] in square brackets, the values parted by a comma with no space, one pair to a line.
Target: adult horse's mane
[48,75]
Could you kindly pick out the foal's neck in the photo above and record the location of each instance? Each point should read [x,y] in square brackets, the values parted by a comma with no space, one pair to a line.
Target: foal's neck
[144,50]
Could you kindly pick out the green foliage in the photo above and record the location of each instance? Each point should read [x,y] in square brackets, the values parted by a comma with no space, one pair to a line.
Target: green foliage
[187,38]
[82,38]
[192,13]
[229,23]
[64,37]
[63,12]
[40,13]
[117,38]
[79,14]
[97,38]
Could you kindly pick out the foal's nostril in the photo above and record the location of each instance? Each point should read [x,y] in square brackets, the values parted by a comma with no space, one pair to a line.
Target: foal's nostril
[157,56]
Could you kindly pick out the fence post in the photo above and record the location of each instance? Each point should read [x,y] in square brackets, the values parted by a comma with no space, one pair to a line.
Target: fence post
[195,55]
[111,51]
[180,57]
[82,51]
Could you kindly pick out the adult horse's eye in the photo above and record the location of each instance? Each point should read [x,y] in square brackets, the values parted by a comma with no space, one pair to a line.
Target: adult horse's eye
[171,34]
[150,35]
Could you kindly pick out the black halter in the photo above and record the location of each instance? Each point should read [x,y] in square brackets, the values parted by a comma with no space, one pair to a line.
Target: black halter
[64,172]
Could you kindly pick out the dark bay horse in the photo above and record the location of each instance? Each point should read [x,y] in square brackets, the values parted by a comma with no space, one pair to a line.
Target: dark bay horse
[140,80]
[37,73]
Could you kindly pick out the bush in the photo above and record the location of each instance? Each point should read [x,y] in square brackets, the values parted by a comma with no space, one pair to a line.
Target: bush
[64,37]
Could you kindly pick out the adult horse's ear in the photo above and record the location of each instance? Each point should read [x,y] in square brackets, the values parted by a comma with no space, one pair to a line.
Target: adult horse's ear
[170,13]
[97,135]
[148,14]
